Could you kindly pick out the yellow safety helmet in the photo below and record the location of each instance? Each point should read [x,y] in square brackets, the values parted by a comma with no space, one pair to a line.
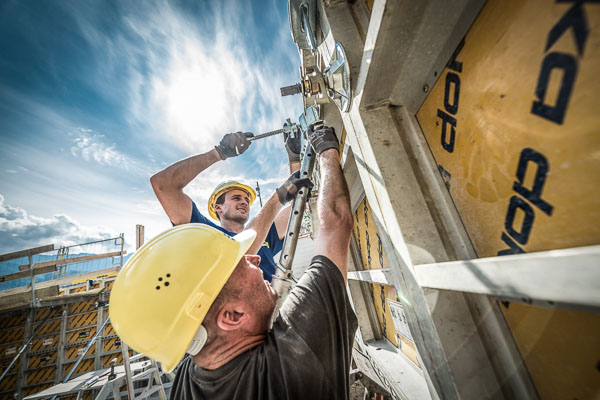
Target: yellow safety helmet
[164,291]
[226,187]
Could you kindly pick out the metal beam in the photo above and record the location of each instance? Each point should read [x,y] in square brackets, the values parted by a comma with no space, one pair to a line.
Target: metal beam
[378,276]
[558,278]
[418,39]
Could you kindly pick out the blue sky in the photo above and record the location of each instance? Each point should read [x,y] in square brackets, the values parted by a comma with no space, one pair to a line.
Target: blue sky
[96,96]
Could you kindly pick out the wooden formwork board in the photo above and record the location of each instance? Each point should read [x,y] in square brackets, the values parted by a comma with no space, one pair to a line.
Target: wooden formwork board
[37,388]
[47,327]
[85,319]
[513,124]
[10,338]
[9,383]
[86,365]
[373,257]
[111,344]
[45,374]
[47,313]
[85,334]
[12,320]
[83,306]
[43,353]
[109,330]
[42,360]
[46,342]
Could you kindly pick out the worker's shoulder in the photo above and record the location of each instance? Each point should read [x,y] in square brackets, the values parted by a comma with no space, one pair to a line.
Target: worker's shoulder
[321,265]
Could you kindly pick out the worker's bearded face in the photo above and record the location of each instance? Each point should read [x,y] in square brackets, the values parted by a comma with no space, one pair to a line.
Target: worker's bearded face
[256,291]
[236,207]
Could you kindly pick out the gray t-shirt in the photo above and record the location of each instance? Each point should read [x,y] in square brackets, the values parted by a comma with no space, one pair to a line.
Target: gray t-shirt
[305,356]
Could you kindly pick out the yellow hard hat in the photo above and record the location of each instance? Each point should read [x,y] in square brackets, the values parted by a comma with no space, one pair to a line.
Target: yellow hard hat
[224,187]
[164,291]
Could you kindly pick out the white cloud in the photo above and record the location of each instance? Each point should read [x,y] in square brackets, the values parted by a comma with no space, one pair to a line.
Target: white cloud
[90,146]
[19,230]
[193,82]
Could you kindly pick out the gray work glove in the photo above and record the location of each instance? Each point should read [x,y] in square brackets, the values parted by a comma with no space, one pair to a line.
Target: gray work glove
[322,138]
[293,146]
[294,183]
[233,144]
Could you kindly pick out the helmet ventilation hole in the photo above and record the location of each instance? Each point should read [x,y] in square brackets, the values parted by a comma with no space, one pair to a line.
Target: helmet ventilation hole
[166,283]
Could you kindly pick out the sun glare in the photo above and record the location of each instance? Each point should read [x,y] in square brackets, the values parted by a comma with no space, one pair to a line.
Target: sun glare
[197,95]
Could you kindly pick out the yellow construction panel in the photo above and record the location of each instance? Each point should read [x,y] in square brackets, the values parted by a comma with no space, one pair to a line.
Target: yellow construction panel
[87,319]
[41,374]
[373,257]
[490,91]
[513,124]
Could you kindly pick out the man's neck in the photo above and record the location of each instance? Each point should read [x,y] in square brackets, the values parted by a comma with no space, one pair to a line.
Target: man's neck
[232,226]
[219,355]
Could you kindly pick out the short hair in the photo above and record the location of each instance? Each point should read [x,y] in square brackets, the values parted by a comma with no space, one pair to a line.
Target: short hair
[220,200]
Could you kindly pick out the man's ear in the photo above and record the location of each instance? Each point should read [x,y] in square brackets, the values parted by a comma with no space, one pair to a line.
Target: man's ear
[232,316]
[218,208]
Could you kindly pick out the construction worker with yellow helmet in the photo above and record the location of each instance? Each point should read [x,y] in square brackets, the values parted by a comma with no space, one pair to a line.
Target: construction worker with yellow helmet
[231,200]
[196,290]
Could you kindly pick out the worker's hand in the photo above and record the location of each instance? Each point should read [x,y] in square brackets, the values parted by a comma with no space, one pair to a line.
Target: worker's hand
[294,183]
[322,138]
[293,146]
[233,144]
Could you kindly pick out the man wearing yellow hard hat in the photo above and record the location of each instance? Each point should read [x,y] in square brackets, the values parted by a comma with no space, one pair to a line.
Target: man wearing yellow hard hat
[195,290]
[230,201]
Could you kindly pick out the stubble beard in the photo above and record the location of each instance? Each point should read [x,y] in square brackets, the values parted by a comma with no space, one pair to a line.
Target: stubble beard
[235,217]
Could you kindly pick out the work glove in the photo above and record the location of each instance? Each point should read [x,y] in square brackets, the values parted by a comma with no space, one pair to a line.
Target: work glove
[293,146]
[294,183]
[233,144]
[322,138]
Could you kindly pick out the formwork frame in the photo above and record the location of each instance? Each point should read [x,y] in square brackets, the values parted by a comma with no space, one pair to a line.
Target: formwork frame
[466,349]
[49,330]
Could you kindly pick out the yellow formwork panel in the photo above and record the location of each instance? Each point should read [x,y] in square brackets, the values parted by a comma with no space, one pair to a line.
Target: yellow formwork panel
[10,381]
[10,335]
[47,313]
[41,375]
[82,306]
[80,335]
[45,342]
[42,360]
[47,327]
[12,321]
[37,389]
[85,366]
[73,353]
[513,125]
[80,320]
[373,257]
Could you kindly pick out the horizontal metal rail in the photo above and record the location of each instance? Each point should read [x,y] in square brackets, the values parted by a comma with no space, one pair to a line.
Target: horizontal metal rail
[568,278]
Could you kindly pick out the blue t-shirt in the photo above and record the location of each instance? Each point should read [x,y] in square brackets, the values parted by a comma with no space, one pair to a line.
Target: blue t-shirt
[271,246]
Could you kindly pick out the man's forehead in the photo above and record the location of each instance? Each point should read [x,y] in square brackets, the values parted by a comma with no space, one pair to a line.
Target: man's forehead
[234,192]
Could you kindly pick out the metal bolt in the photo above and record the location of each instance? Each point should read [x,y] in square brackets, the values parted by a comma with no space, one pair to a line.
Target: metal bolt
[426,88]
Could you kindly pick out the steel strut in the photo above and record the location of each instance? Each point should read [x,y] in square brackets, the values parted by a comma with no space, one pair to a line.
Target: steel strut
[283,279]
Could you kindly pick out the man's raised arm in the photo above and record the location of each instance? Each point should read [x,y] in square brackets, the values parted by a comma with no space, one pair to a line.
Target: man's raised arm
[168,184]
[283,195]
[335,213]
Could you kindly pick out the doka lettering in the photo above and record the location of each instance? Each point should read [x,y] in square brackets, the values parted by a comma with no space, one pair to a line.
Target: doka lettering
[575,21]
[450,105]
[523,199]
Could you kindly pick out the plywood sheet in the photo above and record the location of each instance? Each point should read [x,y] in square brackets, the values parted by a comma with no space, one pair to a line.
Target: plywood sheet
[513,124]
